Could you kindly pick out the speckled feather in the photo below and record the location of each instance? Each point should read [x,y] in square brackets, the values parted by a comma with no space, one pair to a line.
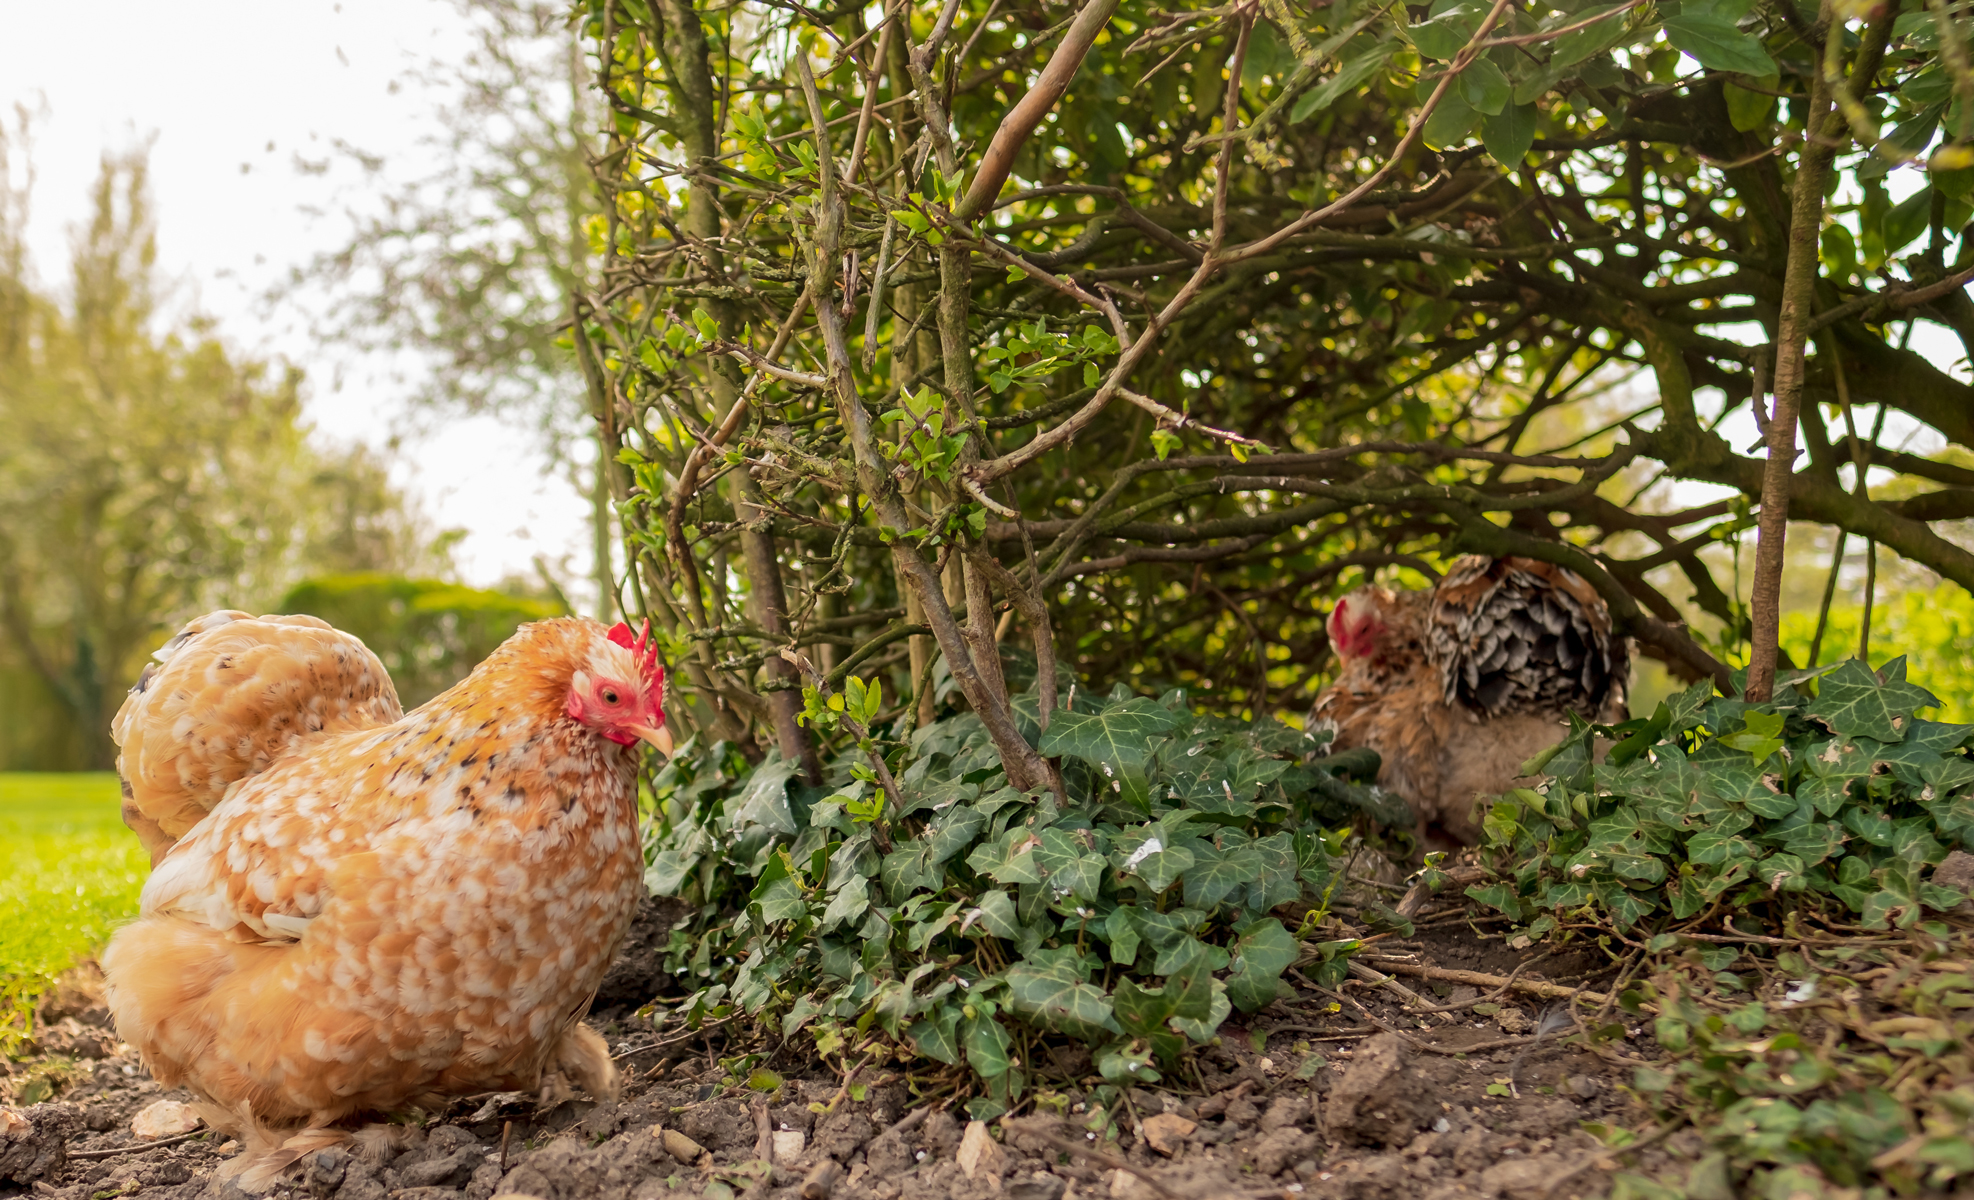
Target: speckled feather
[385,916]
[228,695]
[1517,635]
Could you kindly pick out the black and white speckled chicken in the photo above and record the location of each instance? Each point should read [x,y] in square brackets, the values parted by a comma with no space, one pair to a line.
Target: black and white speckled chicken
[1455,688]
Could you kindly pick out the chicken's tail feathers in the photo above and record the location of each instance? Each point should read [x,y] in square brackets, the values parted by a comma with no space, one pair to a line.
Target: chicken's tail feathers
[228,695]
[1518,635]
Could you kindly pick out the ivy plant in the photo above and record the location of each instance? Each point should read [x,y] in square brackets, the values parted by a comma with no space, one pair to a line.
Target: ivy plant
[1836,795]
[1133,911]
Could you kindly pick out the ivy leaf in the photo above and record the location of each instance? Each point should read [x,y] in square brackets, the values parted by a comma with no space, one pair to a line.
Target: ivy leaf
[764,800]
[1120,737]
[1009,860]
[997,917]
[954,830]
[1852,702]
[851,901]
[1219,874]
[1761,737]
[782,900]
[986,1045]
[1278,883]
[1714,40]
[1264,950]
[1202,1028]
[1056,998]
[906,870]
[1158,864]
[936,1036]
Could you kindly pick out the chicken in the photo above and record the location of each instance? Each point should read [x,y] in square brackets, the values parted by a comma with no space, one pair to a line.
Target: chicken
[1457,687]
[355,911]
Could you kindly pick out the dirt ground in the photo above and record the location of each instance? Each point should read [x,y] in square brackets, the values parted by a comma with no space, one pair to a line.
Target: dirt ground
[1307,1098]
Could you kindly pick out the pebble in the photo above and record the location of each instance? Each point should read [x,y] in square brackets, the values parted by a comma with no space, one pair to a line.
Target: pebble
[163,1119]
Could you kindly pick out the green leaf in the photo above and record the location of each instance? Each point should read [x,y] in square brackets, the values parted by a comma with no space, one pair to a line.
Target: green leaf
[1579,44]
[1264,950]
[1346,80]
[851,901]
[986,1045]
[1011,859]
[1509,135]
[1056,999]
[1450,123]
[1201,1029]
[1748,111]
[764,800]
[782,900]
[1761,737]
[1717,43]
[1852,702]
[1484,87]
[1117,739]
[1216,874]
[1448,32]
[936,1035]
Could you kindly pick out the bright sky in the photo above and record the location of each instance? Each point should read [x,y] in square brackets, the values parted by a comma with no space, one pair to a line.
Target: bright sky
[233,91]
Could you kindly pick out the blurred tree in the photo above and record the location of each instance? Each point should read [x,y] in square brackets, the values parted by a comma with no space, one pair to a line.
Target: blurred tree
[474,263]
[149,475]
[429,633]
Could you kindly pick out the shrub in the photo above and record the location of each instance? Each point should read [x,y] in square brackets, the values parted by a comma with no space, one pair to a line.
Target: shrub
[1134,911]
[1834,798]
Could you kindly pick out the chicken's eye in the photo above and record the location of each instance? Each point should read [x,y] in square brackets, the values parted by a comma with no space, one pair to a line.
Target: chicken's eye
[609,695]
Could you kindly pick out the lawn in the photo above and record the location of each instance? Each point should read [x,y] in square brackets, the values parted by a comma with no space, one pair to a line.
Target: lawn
[69,875]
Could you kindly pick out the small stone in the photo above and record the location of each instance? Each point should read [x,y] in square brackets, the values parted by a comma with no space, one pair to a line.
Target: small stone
[1955,871]
[1583,1086]
[163,1119]
[789,1144]
[980,1154]
[1166,1132]
[680,1146]
[1520,1178]
[515,1196]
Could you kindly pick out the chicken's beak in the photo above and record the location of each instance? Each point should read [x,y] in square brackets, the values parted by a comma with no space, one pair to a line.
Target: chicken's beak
[660,737]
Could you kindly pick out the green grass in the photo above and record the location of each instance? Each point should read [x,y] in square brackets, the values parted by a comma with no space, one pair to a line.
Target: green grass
[70,874]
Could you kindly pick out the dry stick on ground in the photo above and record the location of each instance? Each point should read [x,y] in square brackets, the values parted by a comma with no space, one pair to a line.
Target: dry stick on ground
[1533,987]
[1415,1002]
[1419,1044]
[137,1148]
[1115,1163]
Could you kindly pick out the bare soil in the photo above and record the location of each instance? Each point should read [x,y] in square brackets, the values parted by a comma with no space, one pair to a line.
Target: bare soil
[1311,1098]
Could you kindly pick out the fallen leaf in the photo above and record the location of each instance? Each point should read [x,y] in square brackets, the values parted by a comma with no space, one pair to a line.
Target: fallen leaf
[980,1154]
[1166,1132]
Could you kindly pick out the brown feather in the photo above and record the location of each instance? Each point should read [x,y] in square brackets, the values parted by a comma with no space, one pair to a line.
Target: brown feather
[1456,688]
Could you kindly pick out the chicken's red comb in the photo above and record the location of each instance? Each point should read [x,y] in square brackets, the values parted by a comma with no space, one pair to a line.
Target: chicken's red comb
[645,647]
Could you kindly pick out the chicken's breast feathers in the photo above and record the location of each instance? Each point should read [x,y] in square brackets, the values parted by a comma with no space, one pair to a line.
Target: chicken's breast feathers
[229,695]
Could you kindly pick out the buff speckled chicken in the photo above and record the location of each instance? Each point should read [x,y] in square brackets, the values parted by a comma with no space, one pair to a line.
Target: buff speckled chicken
[355,911]
[1456,687]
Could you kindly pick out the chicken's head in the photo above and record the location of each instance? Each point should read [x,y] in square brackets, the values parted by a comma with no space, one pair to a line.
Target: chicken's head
[620,693]
[1356,625]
